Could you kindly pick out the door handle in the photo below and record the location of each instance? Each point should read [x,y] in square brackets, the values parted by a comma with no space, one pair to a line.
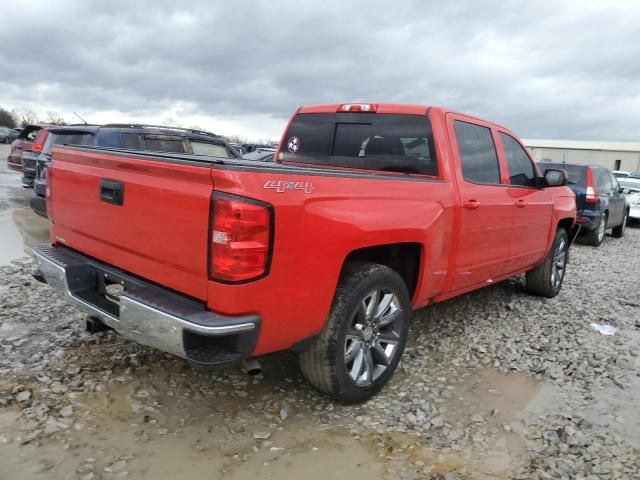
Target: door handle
[521,203]
[111,191]
[471,204]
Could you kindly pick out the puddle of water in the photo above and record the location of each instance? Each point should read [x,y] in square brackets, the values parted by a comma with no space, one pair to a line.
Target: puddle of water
[11,243]
[20,231]
[505,394]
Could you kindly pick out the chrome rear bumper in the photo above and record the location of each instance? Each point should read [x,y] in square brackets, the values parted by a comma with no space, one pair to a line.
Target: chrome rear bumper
[146,313]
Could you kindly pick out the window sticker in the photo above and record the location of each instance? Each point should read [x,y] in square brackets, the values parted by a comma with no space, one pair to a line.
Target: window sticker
[293,144]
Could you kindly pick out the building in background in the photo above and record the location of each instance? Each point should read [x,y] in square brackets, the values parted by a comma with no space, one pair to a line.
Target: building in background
[613,155]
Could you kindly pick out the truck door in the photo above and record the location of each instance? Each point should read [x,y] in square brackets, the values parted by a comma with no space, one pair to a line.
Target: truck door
[486,206]
[532,207]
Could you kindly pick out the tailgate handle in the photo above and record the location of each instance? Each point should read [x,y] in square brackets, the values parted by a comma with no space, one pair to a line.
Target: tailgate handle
[111,191]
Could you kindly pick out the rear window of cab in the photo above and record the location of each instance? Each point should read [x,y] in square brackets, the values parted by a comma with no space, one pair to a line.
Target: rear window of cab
[383,142]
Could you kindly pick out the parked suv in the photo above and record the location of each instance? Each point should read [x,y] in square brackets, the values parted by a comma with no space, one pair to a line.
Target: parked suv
[21,144]
[126,136]
[599,201]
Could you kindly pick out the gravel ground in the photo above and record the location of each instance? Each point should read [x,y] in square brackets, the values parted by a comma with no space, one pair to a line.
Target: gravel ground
[494,384]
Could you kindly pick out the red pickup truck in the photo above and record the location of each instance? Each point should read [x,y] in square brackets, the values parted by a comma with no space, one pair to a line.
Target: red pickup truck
[368,212]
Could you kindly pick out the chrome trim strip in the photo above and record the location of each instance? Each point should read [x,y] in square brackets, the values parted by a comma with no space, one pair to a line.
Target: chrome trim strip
[194,327]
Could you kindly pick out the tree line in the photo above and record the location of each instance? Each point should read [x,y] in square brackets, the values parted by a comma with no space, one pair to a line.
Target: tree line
[21,117]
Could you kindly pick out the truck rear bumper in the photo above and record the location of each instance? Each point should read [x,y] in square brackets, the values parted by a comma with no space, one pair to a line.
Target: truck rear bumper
[146,313]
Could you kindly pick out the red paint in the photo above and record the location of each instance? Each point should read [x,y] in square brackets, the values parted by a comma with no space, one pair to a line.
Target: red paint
[470,235]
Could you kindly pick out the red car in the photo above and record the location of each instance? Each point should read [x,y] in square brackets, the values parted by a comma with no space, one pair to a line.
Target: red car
[24,142]
[368,212]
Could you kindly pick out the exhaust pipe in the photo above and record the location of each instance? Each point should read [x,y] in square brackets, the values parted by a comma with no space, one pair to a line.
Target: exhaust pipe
[251,366]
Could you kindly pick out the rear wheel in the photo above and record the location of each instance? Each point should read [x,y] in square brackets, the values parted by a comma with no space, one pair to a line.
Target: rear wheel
[618,232]
[546,280]
[595,237]
[364,336]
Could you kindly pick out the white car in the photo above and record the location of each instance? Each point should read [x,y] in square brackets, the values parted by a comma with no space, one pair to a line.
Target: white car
[631,191]
[620,173]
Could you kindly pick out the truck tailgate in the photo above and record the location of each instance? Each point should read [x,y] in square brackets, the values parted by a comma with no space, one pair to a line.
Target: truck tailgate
[160,229]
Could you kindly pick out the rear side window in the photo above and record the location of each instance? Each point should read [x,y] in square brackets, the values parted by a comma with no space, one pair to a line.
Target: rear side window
[132,141]
[521,170]
[67,138]
[29,133]
[385,142]
[477,153]
[209,149]
[603,181]
[163,144]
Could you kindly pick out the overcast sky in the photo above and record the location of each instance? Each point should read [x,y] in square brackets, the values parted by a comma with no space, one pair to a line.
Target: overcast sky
[561,69]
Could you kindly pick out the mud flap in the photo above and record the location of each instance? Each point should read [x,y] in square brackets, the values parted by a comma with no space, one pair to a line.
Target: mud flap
[573,234]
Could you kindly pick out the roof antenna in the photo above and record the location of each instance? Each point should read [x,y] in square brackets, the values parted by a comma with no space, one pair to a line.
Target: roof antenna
[83,120]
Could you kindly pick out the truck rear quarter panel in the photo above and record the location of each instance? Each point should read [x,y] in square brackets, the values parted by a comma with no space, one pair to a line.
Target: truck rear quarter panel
[314,233]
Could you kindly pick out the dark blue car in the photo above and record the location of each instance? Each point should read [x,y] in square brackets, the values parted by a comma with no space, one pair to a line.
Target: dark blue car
[127,137]
[600,204]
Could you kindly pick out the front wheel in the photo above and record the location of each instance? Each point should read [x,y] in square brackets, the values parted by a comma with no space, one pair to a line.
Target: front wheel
[364,336]
[546,280]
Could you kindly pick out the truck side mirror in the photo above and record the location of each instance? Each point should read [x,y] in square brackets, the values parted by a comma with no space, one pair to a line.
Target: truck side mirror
[554,178]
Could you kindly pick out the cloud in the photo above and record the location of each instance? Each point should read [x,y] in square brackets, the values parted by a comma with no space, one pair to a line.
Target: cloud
[567,70]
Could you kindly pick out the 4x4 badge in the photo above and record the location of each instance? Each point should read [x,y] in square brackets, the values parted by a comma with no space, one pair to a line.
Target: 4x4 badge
[281,185]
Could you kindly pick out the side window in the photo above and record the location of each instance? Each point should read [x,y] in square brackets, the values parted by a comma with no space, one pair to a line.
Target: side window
[603,182]
[132,141]
[615,186]
[209,149]
[164,144]
[521,170]
[477,153]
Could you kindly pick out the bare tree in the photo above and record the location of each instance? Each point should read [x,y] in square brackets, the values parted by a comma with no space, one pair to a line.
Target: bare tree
[54,118]
[6,119]
[170,122]
[236,139]
[23,116]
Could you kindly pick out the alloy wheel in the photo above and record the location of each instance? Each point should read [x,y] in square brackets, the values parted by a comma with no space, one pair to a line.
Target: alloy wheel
[372,337]
[601,228]
[559,264]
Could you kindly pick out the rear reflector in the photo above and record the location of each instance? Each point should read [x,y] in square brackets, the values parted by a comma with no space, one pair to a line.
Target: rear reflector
[240,238]
[358,107]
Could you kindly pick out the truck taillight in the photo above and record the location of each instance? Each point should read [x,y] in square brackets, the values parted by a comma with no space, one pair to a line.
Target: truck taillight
[38,142]
[240,238]
[591,195]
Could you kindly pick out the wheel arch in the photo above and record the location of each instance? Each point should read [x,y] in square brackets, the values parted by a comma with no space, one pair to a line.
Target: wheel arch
[404,258]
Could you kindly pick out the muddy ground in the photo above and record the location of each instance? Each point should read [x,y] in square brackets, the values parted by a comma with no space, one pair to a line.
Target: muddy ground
[496,384]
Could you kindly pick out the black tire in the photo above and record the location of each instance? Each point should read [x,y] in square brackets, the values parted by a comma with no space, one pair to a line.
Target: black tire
[618,232]
[546,279]
[596,237]
[325,362]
